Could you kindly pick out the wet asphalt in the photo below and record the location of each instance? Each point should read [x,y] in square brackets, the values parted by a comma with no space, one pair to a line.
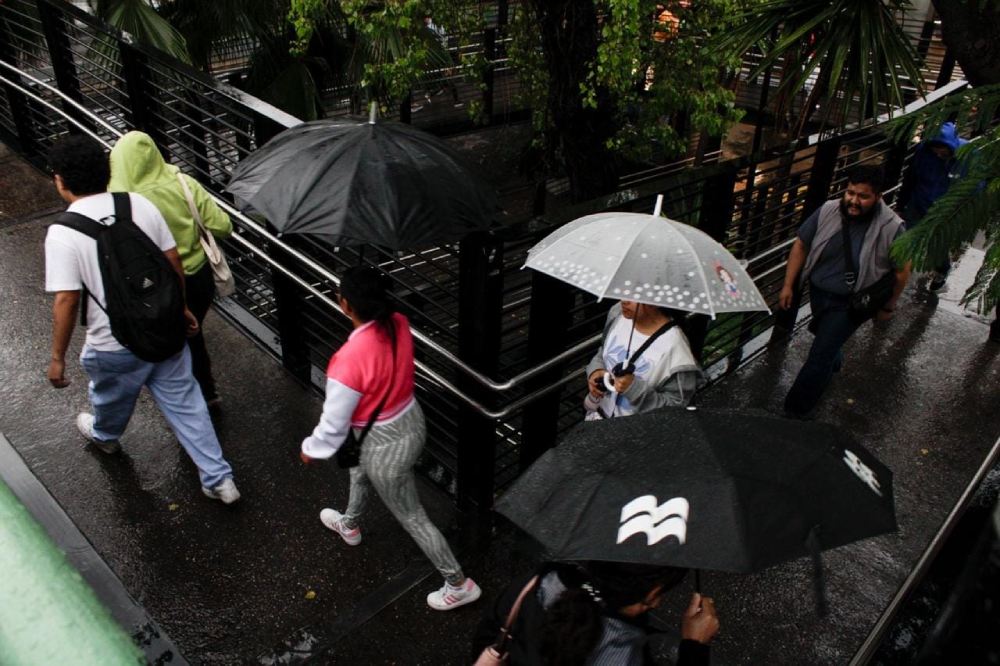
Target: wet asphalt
[249,583]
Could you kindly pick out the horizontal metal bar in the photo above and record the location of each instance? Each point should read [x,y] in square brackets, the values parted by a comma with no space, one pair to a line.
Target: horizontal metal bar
[64,96]
[768,252]
[867,649]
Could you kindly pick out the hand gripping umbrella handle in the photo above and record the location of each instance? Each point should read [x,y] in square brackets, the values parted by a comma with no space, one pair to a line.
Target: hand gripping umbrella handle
[619,370]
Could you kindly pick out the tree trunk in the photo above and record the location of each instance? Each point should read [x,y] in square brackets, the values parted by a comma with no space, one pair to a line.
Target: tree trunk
[971,30]
[569,32]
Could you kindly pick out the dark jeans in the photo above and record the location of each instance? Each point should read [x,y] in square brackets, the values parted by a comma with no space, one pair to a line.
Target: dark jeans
[200,289]
[833,327]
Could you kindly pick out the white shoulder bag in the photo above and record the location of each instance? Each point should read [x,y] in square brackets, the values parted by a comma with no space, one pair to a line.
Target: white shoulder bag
[225,285]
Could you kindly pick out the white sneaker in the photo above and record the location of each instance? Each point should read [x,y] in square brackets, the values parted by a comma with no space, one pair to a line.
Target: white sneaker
[449,597]
[85,424]
[334,520]
[225,492]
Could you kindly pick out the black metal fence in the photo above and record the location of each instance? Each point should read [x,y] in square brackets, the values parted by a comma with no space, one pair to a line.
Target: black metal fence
[499,349]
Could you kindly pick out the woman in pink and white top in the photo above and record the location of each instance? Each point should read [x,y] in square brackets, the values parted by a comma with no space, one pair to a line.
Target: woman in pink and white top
[375,367]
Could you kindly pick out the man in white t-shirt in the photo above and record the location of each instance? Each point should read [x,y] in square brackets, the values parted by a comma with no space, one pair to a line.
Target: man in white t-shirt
[81,173]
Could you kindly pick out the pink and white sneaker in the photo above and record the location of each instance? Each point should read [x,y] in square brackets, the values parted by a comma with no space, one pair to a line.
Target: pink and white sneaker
[449,597]
[334,520]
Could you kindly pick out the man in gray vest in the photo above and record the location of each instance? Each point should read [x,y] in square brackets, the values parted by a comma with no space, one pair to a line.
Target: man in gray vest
[819,258]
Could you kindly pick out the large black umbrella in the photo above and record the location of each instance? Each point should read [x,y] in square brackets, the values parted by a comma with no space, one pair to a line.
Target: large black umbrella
[707,489]
[384,183]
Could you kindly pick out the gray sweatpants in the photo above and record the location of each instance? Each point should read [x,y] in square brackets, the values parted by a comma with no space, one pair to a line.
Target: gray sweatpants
[387,458]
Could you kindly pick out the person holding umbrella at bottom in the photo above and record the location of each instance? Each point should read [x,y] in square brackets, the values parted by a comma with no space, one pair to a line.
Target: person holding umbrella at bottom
[592,613]
[370,388]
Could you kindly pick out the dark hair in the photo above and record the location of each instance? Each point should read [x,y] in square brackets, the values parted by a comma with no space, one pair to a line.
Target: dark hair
[683,319]
[366,289]
[81,163]
[594,589]
[867,174]
[673,313]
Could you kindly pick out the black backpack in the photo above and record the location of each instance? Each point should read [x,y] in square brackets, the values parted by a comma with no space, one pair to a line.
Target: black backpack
[145,300]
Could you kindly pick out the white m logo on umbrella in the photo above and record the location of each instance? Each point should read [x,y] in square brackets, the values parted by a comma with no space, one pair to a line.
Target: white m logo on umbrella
[657,521]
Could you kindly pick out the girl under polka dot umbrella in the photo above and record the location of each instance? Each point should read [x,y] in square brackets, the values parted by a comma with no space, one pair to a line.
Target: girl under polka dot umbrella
[647,259]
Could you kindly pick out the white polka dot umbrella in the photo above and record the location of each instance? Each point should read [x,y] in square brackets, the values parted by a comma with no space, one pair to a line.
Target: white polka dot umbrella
[647,259]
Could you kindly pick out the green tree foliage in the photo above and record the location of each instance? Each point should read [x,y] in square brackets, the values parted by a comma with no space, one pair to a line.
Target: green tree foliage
[391,47]
[640,70]
[619,79]
[972,202]
[849,49]
[657,64]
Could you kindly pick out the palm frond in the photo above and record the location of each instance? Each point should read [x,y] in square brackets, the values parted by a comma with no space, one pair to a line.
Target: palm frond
[204,23]
[972,202]
[855,49]
[140,20]
[984,293]
[974,110]
[294,90]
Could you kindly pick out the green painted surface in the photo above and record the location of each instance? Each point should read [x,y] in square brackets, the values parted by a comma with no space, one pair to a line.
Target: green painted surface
[48,614]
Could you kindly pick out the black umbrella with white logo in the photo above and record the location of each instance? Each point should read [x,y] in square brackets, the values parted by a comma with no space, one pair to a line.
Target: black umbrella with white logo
[706,489]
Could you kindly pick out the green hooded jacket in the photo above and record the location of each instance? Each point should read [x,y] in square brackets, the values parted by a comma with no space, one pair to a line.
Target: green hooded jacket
[137,166]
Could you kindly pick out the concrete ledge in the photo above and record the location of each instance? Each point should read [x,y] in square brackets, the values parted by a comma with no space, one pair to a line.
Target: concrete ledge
[80,554]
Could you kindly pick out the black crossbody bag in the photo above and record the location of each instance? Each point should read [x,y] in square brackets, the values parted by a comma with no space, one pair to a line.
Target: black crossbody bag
[349,453]
[862,305]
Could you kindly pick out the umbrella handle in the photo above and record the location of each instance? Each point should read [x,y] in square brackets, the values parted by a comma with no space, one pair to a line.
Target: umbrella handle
[819,584]
[659,205]
[697,581]
[609,382]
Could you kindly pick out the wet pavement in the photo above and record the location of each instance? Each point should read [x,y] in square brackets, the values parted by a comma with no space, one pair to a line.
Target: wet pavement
[255,582]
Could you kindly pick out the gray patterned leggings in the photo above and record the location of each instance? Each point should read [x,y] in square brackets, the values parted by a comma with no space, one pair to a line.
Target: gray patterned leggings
[387,458]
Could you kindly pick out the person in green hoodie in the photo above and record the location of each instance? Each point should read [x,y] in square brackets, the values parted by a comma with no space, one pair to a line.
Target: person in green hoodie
[138,166]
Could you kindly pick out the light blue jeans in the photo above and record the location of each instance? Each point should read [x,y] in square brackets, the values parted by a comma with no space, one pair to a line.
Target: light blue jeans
[117,377]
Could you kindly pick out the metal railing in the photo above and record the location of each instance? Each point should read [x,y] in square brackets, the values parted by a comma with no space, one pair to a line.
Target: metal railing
[497,347]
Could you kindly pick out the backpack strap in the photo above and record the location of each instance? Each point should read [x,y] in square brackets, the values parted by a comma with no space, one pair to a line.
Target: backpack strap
[92,229]
[123,206]
[81,223]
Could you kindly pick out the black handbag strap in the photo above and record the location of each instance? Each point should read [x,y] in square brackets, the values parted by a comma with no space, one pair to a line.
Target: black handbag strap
[388,390]
[851,271]
[630,366]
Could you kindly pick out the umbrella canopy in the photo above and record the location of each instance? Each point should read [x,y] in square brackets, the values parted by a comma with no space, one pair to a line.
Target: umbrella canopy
[708,489]
[647,259]
[384,183]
